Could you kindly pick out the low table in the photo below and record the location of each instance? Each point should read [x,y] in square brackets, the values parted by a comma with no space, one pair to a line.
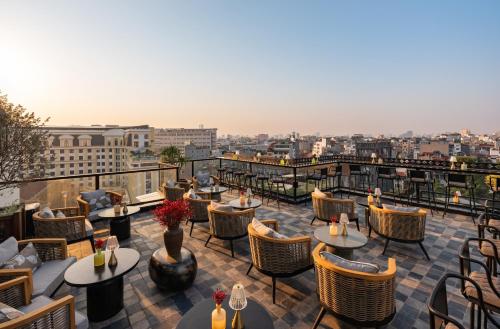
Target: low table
[170,274]
[104,286]
[254,316]
[255,203]
[119,224]
[341,245]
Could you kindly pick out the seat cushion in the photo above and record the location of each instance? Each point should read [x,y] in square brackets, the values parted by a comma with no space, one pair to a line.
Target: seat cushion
[489,296]
[93,215]
[8,313]
[41,301]
[350,264]
[410,210]
[50,275]
[264,230]
[317,193]
[8,249]
[27,258]
[487,248]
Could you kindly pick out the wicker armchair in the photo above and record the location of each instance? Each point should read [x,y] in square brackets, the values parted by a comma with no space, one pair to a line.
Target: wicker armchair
[73,228]
[198,209]
[279,258]
[361,299]
[50,314]
[173,193]
[228,225]
[405,227]
[47,249]
[490,250]
[84,206]
[326,207]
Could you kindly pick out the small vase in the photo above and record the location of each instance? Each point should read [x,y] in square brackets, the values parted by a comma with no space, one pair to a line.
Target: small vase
[344,229]
[370,199]
[172,237]
[218,317]
[125,209]
[242,200]
[99,258]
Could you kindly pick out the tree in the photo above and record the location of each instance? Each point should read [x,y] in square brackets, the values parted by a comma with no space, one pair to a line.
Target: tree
[172,155]
[22,138]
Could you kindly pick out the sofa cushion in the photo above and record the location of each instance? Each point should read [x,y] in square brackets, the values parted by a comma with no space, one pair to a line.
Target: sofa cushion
[317,193]
[350,264]
[89,229]
[97,199]
[192,195]
[93,215]
[203,179]
[8,313]
[46,213]
[170,183]
[264,230]
[410,210]
[27,258]
[41,301]
[60,214]
[8,249]
[50,275]
[221,207]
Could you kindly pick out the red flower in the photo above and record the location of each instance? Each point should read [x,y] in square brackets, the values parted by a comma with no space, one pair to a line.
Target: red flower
[333,219]
[369,191]
[171,213]
[99,243]
[218,296]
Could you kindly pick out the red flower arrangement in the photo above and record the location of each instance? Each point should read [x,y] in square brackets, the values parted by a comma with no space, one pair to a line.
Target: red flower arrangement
[369,191]
[334,219]
[218,296]
[171,213]
[99,243]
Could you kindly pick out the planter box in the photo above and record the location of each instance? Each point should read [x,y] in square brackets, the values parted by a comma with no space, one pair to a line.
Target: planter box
[12,225]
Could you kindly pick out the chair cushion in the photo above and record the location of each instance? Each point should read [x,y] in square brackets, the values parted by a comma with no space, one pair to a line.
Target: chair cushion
[60,214]
[89,228]
[27,258]
[264,230]
[170,183]
[41,301]
[410,210]
[8,313]
[93,215]
[192,195]
[203,179]
[317,192]
[489,296]
[50,275]
[97,199]
[221,207]
[8,249]
[350,264]
[46,213]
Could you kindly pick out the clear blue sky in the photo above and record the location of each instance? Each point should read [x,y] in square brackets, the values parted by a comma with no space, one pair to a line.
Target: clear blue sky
[246,67]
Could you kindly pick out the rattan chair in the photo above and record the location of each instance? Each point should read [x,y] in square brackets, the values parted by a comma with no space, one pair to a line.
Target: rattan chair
[361,299]
[279,258]
[399,226]
[229,225]
[54,314]
[490,250]
[116,198]
[438,304]
[173,193]
[490,285]
[326,207]
[199,212]
[73,228]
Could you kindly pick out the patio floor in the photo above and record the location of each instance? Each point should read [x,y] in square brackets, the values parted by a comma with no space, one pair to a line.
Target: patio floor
[296,302]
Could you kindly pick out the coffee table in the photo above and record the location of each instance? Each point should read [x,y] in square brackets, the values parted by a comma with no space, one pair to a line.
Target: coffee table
[255,203]
[199,316]
[341,245]
[104,285]
[119,224]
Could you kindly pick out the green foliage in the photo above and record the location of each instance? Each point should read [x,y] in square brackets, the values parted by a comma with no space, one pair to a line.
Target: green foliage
[172,155]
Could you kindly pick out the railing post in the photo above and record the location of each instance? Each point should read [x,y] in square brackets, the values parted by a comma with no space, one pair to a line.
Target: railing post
[192,168]
[96,178]
[177,168]
[295,184]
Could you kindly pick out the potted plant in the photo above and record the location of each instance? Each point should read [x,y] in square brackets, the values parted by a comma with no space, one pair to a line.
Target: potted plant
[170,214]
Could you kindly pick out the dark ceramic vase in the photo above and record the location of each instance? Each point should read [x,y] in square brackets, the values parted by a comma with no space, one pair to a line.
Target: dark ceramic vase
[173,236]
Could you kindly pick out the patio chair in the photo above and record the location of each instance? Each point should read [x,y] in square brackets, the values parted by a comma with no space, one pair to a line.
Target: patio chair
[174,193]
[325,206]
[89,210]
[358,298]
[199,212]
[490,250]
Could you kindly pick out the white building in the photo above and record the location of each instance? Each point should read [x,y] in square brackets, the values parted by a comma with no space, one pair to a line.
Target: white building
[202,137]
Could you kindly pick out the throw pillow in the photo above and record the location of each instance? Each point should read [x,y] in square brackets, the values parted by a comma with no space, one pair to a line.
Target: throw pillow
[193,195]
[27,258]
[8,313]
[60,214]
[46,213]
[170,183]
[93,198]
[317,192]
[104,202]
[264,230]
[8,249]
[221,207]
[203,179]
[410,210]
[349,264]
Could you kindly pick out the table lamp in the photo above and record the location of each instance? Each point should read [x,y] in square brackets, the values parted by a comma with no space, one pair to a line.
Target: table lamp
[112,244]
[237,302]
[453,160]
[373,156]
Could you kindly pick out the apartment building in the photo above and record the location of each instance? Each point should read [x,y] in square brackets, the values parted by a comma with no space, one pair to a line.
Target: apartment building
[179,137]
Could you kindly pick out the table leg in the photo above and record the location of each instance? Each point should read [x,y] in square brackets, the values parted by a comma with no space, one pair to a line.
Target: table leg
[105,300]
[120,228]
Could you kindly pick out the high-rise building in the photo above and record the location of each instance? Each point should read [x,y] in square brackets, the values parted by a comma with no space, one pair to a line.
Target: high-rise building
[203,137]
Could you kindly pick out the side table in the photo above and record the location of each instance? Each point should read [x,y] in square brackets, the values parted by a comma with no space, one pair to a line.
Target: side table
[170,274]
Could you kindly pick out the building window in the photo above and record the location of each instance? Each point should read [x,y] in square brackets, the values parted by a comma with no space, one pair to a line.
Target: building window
[71,158]
[80,158]
[71,172]
[71,165]
[80,172]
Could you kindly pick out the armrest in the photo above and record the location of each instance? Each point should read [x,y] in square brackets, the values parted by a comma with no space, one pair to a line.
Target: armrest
[83,206]
[115,197]
[68,211]
[10,274]
[16,292]
[273,223]
[48,249]
[45,313]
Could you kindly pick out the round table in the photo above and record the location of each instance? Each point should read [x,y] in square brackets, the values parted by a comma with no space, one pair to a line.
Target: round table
[255,203]
[341,245]
[119,224]
[170,274]
[254,316]
[104,285]
[214,195]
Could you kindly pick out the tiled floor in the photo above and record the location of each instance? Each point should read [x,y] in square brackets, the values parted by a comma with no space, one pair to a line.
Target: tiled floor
[297,304]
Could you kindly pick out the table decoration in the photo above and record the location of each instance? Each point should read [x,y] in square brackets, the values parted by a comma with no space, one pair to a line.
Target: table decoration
[373,156]
[237,302]
[112,244]
[218,314]
[169,214]
[116,209]
[370,196]
[99,258]
[378,194]
[453,160]
[333,228]
[344,220]
[242,198]
[456,197]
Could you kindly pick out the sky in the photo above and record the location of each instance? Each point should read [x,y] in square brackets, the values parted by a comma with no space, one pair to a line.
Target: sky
[247,67]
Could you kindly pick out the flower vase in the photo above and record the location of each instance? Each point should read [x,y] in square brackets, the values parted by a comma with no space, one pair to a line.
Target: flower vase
[172,237]
[218,317]
[344,229]
[99,258]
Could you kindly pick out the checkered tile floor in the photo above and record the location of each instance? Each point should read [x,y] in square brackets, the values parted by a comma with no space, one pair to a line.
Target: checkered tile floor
[296,302]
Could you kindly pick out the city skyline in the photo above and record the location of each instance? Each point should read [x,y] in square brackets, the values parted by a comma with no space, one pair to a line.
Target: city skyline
[328,67]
